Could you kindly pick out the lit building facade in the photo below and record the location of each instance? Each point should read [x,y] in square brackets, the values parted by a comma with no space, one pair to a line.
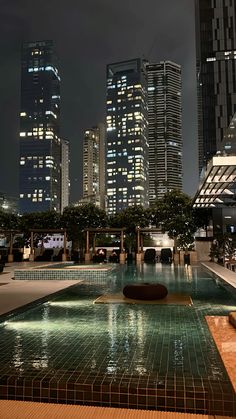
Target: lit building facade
[94,165]
[216,73]
[65,175]
[127,135]
[40,145]
[91,163]
[164,128]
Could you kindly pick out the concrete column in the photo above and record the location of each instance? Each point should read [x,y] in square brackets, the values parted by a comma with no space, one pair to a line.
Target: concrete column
[10,258]
[87,257]
[141,242]
[138,257]
[64,257]
[121,242]
[122,258]
[138,240]
[10,255]
[87,242]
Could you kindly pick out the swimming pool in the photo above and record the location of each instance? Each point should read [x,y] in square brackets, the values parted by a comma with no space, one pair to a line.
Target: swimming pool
[64,271]
[128,355]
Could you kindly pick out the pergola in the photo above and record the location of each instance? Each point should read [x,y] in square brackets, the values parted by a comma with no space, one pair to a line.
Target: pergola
[139,239]
[102,230]
[12,233]
[218,186]
[145,230]
[43,230]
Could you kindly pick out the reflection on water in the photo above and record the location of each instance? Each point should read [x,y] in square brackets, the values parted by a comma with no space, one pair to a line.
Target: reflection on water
[72,333]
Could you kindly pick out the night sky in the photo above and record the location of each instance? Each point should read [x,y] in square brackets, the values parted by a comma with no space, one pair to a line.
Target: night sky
[88,35]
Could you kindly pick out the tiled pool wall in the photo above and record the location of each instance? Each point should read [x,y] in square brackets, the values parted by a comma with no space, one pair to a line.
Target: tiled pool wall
[199,396]
[61,274]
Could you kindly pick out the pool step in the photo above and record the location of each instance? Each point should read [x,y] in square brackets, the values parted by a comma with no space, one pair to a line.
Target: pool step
[10,409]
[232,318]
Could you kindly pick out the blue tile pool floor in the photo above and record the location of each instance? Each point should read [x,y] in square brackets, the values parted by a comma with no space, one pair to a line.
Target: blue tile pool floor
[139,356]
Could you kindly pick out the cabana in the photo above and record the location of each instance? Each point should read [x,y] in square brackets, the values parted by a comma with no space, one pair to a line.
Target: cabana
[94,231]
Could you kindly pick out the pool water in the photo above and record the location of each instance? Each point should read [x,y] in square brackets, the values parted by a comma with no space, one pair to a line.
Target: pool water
[127,355]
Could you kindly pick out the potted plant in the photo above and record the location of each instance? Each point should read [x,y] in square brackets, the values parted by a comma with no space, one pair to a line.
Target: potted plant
[215,251]
[230,247]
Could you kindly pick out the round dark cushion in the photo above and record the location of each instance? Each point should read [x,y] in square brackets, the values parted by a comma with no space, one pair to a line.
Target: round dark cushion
[145,291]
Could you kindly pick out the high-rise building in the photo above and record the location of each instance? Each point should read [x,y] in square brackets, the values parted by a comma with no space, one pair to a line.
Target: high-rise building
[94,165]
[40,144]
[216,73]
[164,128]
[102,164]
[65,176]
[127,135]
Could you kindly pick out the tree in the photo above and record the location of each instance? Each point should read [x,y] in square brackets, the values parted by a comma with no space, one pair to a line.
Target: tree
[174,215]
[229,246]
[46,220]
[130,218]
[8,221]
[77,219]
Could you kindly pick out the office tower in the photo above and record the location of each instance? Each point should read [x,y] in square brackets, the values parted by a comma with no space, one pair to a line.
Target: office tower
[216,72]
[65,176]
[40,145]
[94,165]
[127,135]
[102,165]
[164,128]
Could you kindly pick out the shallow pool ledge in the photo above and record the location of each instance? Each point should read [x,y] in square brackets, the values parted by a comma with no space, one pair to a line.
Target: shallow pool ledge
[70,272]
[224,273]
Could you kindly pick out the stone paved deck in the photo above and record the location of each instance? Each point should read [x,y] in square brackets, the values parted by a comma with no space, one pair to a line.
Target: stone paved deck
[15,294]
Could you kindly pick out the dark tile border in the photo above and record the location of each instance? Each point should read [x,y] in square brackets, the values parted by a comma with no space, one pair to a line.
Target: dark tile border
[199,396]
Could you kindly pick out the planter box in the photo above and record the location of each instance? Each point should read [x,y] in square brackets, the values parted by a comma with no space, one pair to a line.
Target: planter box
[192,254]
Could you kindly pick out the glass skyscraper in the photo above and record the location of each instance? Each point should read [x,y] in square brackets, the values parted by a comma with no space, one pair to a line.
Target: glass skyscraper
[164,128]
[216,73]
[40,144]
[127,135]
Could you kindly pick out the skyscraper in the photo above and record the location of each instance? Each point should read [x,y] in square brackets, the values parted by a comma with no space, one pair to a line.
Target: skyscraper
[65,175]
[216,72]
[127,135]
[94,165]
[164,128]
[40,144]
